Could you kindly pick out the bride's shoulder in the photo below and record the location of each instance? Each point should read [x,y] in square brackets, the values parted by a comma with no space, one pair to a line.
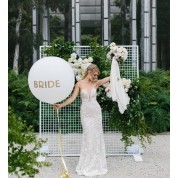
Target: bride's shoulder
[79,83]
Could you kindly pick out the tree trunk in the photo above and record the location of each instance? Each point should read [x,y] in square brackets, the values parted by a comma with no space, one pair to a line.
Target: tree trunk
[66,27]
[70,22]
[123,6]
[17,30]
[163,54]
[142,37]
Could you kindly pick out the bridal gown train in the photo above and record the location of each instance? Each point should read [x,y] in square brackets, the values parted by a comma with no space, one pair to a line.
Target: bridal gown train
[92,157]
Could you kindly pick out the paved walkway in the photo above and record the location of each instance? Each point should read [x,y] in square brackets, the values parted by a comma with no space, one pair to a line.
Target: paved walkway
[155,164]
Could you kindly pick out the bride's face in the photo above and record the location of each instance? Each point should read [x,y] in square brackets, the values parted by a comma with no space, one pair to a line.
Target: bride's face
[93,76]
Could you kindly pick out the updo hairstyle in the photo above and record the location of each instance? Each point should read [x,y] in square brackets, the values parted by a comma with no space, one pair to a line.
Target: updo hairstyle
[90,69]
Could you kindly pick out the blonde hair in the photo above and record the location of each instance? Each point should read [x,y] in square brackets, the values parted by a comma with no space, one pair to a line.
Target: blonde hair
[91,68]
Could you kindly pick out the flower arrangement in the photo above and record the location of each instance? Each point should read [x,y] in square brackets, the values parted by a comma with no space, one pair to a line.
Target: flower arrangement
[126,83]
[119,53]
[79,65]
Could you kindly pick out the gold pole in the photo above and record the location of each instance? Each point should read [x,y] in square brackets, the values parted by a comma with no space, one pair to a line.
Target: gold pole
[64,173]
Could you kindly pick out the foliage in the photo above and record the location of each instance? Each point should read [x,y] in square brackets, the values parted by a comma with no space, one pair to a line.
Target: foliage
[60,48]
[21,99]
[163,16]
[155,99]
[119,24]
[132,122]
[23,147]
[147,112]
[64,6]
[98,53]
[88,33]
[25,38]
[86,39]
[55,27]
[163,37]
[116,30]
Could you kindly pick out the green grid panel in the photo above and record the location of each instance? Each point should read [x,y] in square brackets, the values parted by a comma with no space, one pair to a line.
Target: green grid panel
[70,118]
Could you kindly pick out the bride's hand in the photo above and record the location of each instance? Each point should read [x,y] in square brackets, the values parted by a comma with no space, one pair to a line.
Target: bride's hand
[57,106]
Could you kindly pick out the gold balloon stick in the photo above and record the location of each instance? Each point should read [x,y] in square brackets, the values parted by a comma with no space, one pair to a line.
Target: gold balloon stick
[65,173]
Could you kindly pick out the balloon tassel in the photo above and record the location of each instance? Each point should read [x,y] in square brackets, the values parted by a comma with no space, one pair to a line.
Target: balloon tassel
[64,174]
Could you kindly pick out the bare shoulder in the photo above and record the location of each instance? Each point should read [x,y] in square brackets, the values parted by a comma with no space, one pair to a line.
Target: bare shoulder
[79,83]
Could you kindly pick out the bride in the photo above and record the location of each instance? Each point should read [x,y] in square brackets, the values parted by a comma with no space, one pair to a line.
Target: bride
[92,159]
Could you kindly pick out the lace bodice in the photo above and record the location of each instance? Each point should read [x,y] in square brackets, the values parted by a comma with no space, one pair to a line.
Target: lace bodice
[88,95]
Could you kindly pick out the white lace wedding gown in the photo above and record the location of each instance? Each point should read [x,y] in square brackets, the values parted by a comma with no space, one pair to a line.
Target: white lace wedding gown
[92,157]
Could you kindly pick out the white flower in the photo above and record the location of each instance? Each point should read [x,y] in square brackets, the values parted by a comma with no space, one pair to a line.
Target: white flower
[76,65]
[126,83]
[79,66]
[108,56]
[84,68]
[108,94]
[85,60]
[79,71]
[124,50]
[75,60]
[112,51]
[119,53]
[79,59]
[79,77]
[75,71]
[90,59]
[73,55]
[71,64]
[115,48]
[112,44]
[70,60]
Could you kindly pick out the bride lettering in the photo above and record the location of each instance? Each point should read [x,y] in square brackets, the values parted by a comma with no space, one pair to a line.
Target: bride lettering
[47,84]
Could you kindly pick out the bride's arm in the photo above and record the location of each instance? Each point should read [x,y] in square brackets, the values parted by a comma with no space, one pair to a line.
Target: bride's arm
[69,100]
[103,81]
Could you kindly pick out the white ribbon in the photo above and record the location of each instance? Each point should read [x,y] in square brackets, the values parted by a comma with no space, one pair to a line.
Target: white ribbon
[118,93]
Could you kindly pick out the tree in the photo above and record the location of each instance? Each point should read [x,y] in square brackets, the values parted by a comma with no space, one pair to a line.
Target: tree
[23,147]
[163,37]
[20,35]
[19,7]
[163,32]
[123,24]
[64,6]
[55,23]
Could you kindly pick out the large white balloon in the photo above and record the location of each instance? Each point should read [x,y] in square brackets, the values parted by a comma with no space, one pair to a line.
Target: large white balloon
[51,79]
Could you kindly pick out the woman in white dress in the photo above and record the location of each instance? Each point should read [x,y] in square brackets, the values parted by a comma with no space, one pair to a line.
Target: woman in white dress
[92,160]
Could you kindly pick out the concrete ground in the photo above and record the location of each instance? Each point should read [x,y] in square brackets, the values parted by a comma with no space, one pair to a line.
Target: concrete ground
[155,164]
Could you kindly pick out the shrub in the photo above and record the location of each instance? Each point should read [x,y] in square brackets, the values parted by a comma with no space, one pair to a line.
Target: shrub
[60,48]
[23,147]
[155,99]
[21,99]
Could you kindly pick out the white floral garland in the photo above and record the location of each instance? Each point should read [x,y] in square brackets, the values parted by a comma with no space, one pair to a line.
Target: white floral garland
[79,65]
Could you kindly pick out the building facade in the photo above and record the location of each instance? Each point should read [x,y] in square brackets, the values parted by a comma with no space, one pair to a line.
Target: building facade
[108,21]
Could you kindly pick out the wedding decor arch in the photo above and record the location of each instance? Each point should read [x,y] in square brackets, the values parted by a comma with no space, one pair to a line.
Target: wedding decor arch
[124,133]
